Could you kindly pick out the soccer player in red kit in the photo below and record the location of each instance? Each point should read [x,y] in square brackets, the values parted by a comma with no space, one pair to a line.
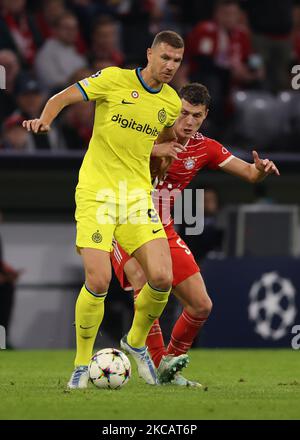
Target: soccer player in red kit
[188,284]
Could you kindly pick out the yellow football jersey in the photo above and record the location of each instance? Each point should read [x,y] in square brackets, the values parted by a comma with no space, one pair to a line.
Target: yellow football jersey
[129,115]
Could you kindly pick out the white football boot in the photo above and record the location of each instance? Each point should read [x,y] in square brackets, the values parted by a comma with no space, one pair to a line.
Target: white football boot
[79,377]
[146,368]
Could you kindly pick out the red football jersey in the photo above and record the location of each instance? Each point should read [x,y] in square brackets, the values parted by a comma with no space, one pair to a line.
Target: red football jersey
[200,152]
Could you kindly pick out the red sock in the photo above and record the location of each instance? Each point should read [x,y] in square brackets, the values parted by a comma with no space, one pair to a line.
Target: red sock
[155,341]
[184,332]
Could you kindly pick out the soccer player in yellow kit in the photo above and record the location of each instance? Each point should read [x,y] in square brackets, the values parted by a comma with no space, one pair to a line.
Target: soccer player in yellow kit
[113,195]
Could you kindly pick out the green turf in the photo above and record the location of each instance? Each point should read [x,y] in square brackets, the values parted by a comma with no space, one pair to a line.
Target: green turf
[238,384]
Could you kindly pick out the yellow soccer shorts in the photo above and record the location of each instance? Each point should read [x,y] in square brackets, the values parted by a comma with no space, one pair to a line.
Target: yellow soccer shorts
[132,222]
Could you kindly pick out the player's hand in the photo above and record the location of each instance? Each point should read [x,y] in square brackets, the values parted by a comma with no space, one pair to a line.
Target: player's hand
[36,126]
[264,166]
[167,149]
[159,166]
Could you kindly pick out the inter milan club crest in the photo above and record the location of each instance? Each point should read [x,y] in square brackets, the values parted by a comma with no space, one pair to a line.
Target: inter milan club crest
[162,115]
[135,94]
[189,163]
[97,237]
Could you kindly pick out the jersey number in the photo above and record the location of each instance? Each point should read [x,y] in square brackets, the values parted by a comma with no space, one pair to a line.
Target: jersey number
[183,246]
[152,214]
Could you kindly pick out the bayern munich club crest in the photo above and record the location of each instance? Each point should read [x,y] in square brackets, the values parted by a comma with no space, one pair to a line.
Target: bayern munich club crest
[135,94]
[189,163]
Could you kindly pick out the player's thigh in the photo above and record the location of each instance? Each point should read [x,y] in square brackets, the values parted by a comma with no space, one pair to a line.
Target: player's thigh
[145,239]
[155,259]
[183,261]
[127,269]
[97,266]
[141,226]
[193,295]
[94,224]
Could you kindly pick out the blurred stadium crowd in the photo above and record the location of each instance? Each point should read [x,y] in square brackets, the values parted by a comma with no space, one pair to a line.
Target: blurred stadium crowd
[243,51]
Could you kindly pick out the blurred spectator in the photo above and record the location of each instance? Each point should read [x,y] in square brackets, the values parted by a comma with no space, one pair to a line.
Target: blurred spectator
[102,64]
[58,59]
[77,125]
[271,24]
[105,42]
[47,17]
[30,100]
[77,120]
[29,96]
[87,11]
[14,137]
[211,238]
[195,11]
[162,16]
[10,62]
[135,16]
[79,74]
[18,30]
[219,52]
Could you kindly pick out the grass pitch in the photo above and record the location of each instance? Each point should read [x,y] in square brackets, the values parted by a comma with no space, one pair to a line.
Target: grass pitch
[237,384]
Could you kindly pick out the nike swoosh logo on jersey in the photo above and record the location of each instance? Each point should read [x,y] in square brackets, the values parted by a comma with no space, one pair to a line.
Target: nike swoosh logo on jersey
[86,328]
[127,102]
[157,230]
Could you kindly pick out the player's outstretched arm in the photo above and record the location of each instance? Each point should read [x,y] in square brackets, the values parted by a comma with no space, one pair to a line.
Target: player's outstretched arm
[253,173]
[53,107]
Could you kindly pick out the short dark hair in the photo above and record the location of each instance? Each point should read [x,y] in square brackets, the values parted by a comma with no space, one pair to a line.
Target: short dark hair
[169,37]
[195,94]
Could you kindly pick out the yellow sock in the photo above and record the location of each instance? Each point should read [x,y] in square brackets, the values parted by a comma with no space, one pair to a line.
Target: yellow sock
[149,305]
[89,313]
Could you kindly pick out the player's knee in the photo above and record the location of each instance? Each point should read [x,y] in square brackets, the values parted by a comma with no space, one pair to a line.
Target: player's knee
[138,279]
[162,279]
[96,282]
[206,307]
[202,308]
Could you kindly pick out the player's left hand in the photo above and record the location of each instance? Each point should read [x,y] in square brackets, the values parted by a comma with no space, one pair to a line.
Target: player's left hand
[167,149]
[264,166]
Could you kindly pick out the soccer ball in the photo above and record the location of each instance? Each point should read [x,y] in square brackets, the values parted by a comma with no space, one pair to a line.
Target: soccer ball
[109,368]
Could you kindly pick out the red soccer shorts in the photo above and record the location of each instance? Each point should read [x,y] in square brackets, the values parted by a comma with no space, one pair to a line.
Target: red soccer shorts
[184,264]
